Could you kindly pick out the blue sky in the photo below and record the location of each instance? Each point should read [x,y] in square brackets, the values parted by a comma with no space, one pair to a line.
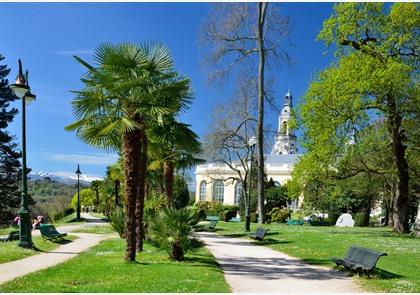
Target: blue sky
[46,35]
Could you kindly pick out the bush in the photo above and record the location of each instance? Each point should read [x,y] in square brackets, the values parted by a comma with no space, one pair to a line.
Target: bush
[68,211]
[361,219]
[171,230]
[279,215]
[117,220]
[181,195]
[201,214]
[254,217]
[333,216]
[320,222]
[227,215]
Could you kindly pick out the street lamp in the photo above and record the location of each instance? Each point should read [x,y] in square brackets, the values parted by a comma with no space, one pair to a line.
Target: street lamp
[251,143]
[22,90]
[78,172]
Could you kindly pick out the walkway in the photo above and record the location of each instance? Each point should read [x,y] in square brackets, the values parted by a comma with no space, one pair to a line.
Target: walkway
[17,268]
[258,269]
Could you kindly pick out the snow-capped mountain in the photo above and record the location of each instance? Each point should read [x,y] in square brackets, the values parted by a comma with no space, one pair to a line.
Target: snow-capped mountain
[62,177]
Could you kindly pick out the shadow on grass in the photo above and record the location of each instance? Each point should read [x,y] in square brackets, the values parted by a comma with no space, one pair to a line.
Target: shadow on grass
[385,275]
[201,260]
[317,261]
[269,241]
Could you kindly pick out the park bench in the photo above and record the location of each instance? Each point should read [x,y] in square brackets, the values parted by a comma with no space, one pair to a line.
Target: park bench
[212,225]
[259,234]
[212,218]
[359,259]
[49,232]
[295,222]
[235,219]
[13,236]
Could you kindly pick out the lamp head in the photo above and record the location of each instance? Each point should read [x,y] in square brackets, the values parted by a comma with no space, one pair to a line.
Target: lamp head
[252,141]
[20,87]
[78,172]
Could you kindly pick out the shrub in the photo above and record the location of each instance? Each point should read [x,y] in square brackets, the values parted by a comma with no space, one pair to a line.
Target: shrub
[231,208]
[320,222]
[117,220]
[201,214]
[227,215]
[171,230]
[279,215]
[333,216]
[181,195]
[361,219]
[254,217]
[68,211]
[152,206]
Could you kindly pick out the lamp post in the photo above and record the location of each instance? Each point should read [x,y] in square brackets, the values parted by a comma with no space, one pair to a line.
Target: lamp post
[251,143]
[78,172]
[22,90]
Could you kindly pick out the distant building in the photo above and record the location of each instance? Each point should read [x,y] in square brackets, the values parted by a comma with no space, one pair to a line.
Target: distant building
[211,177]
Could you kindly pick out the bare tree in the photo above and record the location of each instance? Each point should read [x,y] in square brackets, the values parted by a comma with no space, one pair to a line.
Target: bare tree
[238,35]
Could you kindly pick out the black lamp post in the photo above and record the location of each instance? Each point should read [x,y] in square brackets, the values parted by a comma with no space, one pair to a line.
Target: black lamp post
[251,143]
[78,172]
[22,91]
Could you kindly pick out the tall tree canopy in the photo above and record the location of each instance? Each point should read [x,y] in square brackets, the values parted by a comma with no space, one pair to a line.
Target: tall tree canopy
[366,104]
[9,157]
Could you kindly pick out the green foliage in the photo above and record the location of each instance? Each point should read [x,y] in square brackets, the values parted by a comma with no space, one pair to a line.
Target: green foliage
[253,217]
[171,230]
[153,204]
[333,216]
[181,195]
[87,198]
[117,220]
[279,214]
[361,219]
[226,215]
[275,197]
[210,207]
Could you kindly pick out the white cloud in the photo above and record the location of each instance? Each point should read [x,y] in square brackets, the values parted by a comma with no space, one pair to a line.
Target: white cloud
[87,159]
[75,52]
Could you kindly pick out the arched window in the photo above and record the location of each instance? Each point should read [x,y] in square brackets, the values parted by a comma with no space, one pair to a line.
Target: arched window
[238,193]
[284,127]
[203,191]
[218,191]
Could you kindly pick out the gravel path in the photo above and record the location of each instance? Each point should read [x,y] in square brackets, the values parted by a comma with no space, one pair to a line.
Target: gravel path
[252,268]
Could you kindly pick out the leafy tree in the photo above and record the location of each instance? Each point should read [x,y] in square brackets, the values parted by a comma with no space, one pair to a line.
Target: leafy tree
[87,198]
[247,35]
[374,78]
[181,193]
[9,157]
[129,87]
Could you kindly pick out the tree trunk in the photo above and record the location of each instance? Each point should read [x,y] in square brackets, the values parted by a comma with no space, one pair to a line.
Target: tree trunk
[260,135]
[168,171]
[116,189]
[97,198]
[400,213]
[141,192]
[131,150]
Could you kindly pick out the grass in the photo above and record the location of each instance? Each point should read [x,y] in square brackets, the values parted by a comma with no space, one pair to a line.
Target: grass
[10,251]
[102,269]
[7,230]
[71,218]
[97,229]
[397,272]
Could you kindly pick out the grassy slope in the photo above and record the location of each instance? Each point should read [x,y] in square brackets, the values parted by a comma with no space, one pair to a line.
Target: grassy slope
[97,229]
[399,271]
[10,251]
[102,269]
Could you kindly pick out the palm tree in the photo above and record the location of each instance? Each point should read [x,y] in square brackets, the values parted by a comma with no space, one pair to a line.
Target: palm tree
[95,185]
[173,146]
[128,87]
[115,173]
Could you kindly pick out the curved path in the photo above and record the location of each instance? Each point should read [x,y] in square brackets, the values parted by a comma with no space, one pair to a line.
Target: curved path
[17,268]
[252,268]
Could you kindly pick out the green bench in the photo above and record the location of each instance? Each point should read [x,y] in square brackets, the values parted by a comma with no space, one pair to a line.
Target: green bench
[295,222]
[359,259]
[212,218]
[212,225]
[13,236]
[48,232]
[259,234]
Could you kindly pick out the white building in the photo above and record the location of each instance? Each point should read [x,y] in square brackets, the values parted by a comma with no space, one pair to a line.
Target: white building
[211,178]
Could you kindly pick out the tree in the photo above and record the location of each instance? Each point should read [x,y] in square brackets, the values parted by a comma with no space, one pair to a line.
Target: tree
[181,193]
[173,146]
[242,35]
[95,186]
[374,78]
[9,157]
[130,87]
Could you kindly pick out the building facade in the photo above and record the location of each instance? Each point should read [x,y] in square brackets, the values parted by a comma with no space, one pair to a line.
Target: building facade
[214,180]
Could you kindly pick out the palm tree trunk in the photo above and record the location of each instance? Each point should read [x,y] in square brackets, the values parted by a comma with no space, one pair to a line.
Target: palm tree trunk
[260,135]
[131,150]
[168,171]
[116,189]
[141,193]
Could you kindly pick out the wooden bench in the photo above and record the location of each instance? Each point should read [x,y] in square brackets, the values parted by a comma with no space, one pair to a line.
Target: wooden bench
[259,234]
[359,259]
[13,236]
[48,232]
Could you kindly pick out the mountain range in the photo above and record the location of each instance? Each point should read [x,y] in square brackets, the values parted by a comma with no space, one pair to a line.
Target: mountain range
[62,177]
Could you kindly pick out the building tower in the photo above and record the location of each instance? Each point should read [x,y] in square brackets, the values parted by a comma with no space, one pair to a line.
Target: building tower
[285,141]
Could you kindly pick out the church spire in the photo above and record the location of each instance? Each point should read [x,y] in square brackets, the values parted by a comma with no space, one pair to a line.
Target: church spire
[288,99]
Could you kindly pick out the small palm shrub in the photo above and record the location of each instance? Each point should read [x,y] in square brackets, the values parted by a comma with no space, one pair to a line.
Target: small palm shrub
[117,220]
[279,215]
[152,206]
[171,230]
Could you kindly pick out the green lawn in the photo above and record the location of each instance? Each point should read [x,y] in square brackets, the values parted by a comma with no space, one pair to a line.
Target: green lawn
[7,230]
[97,229]
[398,272]
[10,251]
[102,269]
[71,218]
